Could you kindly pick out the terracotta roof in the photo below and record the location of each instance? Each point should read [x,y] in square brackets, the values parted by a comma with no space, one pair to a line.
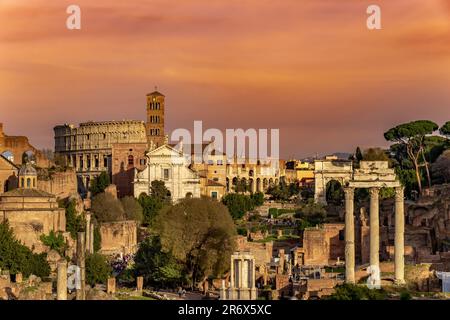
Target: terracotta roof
[156,93]
[213,183]
[24,192]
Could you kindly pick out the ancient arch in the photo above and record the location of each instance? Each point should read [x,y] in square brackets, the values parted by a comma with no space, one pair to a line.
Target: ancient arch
[328,170]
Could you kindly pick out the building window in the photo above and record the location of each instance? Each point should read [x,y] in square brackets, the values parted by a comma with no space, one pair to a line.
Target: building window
[216,179]
[142,162]
[214,194]
[166,174]
[105,162]
[130,160]
[81,162]
[96,163]
[22,183]
[342,235]
[88,162]
[219,162]
[34,183]
[210,162]
[28,183]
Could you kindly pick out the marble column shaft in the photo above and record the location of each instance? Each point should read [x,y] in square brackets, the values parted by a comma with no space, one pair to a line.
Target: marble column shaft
[399,245]
[374,227]
[349,236]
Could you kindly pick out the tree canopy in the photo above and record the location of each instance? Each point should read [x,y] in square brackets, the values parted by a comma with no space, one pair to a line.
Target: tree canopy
[16,257]
[445,129]
[412,135]
[200,234]
[107,208]
[100,183]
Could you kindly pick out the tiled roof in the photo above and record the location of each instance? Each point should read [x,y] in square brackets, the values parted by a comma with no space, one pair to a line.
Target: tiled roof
[24,192]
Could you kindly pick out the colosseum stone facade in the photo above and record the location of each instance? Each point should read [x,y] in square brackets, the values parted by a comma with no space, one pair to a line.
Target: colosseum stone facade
[88,148]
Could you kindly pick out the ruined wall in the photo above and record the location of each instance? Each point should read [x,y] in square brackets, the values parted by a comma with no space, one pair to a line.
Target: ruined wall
[315,247]
[8,175]
[261,251]
[60,184]
[118,237]
[18,145]
[31,217]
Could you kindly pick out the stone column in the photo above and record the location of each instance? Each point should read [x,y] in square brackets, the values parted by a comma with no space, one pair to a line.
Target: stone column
[349,236]
[240,267]
[91,242]
[232,273]
[88,233]
[61,284]
[81,254]
[399,245]
[374,232]
[19,278]
[111,286]
[139,284]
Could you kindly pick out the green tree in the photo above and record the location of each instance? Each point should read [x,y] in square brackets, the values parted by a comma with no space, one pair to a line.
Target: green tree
[107,208]
[158,268]
[358,154]
[158,190]
[100,183]
[151,206]
[445,129]
[97,238]
[97,269]
[74,222]
[54,241]
[375,154]
[311,213]
[257,198]
[238,204]
[412,135]
[16,257]
[357,292]
[133,210]
[200,233]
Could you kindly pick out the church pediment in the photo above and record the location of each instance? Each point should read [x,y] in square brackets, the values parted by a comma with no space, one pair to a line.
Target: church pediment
[165,151]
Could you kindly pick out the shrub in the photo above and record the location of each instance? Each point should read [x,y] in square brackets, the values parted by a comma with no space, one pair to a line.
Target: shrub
[156,266]
[97,269]
[54,241]
[238,204]
[273,212]
[242,231]
[97,238]
[151,205]
[100,183]
[405,295]
[107,208]
[132,208]
[357,292]
[258,198]
[16,257]
[74,222]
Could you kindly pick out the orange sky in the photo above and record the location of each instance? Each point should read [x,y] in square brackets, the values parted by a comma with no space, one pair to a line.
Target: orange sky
[308,67]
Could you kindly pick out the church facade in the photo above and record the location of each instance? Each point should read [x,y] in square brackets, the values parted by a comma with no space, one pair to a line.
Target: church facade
[169,165]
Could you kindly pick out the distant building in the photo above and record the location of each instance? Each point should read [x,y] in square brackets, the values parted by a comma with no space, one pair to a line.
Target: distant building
[31,212]
[89,147]
[169,165]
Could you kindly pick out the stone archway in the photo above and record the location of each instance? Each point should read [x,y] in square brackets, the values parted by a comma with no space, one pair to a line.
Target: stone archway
[334,192]
[328,170]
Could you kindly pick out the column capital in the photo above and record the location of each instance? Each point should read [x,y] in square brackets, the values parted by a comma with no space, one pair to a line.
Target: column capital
[349,192]
[399,193]
[374,191]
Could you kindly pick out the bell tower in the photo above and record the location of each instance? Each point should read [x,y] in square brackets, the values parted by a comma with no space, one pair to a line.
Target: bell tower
[155,118]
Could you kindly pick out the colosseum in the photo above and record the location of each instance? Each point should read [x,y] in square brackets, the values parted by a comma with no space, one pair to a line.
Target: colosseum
[89,147]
